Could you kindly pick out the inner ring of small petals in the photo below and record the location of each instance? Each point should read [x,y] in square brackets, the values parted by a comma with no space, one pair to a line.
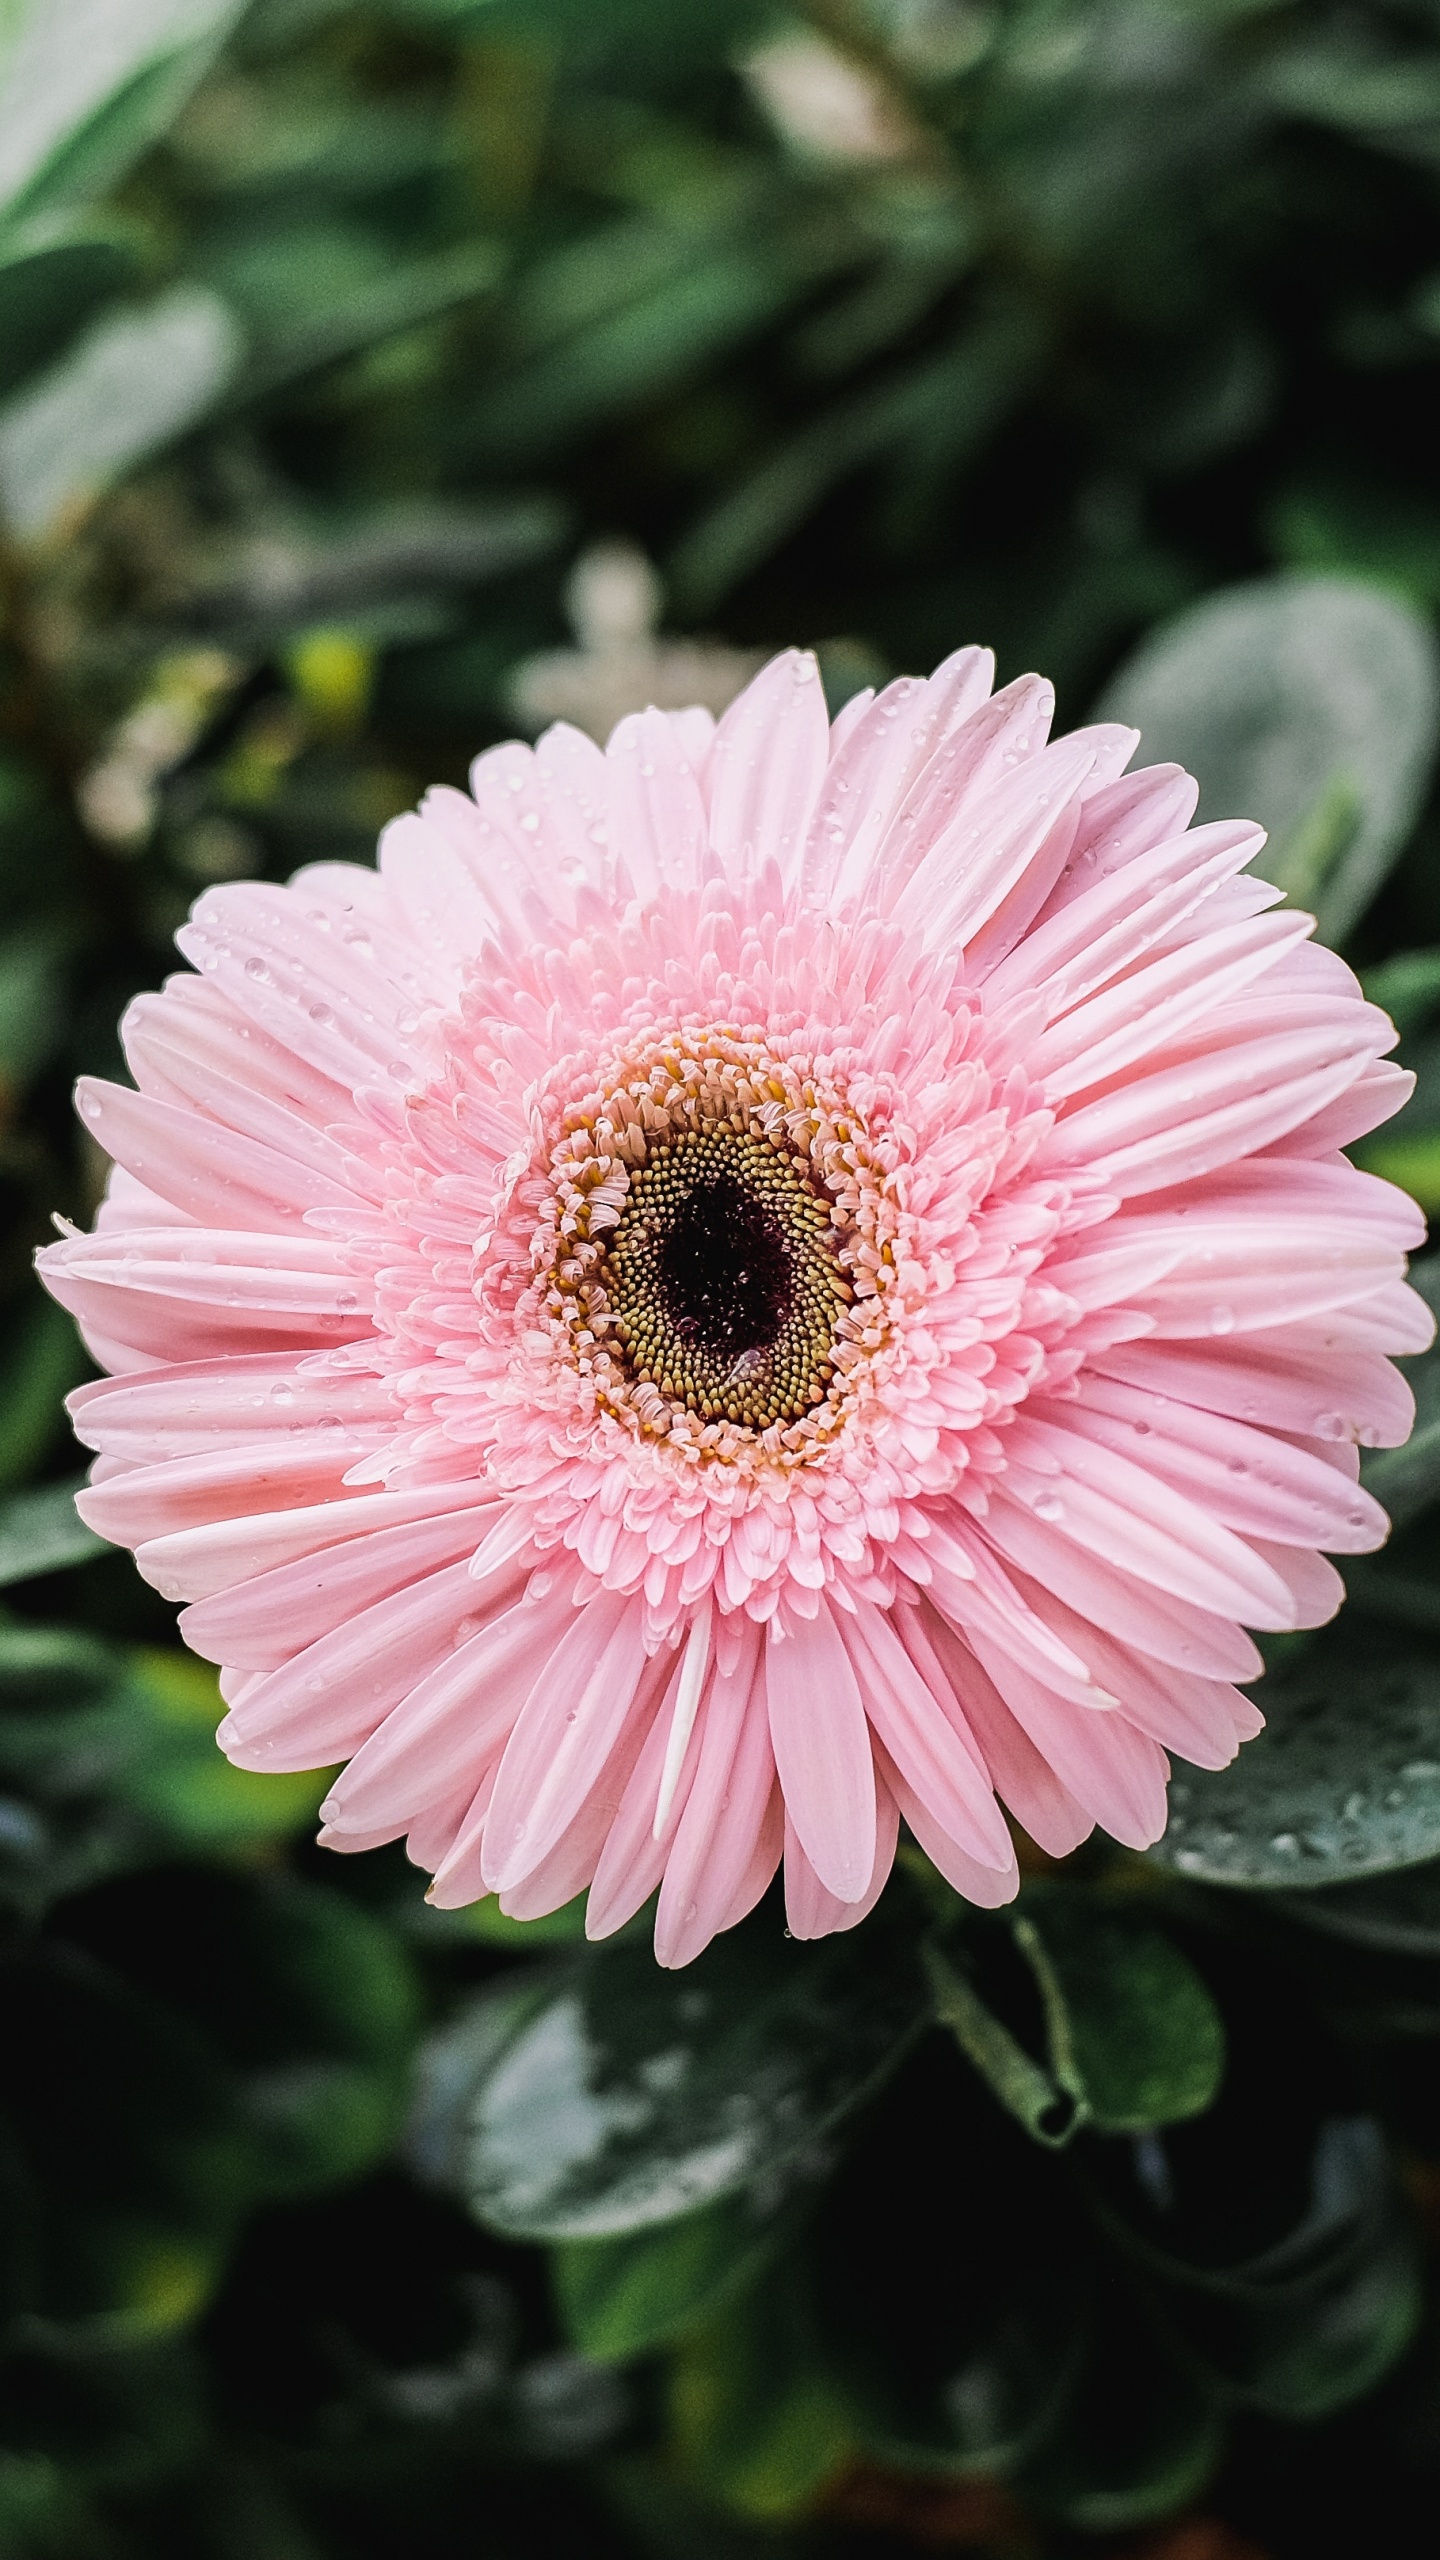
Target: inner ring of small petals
[723,1285]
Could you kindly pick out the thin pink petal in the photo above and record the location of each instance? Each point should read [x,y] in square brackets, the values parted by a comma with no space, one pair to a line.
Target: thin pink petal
[822,1750]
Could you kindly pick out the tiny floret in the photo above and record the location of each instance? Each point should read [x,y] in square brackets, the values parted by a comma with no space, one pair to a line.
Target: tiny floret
[743,1288]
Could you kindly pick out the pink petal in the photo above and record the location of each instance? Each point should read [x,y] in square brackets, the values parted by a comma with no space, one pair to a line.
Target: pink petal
[767,764]
[727,1826]
[822,1749]
[811,1910]
[1023,1778]
[930,1749]
[259,1623]
[563,1736]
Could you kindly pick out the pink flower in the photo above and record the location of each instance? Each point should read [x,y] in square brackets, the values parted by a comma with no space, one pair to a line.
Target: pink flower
[744,1288]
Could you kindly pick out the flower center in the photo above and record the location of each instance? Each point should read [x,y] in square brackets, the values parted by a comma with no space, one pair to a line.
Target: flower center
[722,1280]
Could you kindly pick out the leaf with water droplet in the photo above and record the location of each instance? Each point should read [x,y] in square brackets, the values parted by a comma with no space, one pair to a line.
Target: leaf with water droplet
[622,2096]
[1344,1781]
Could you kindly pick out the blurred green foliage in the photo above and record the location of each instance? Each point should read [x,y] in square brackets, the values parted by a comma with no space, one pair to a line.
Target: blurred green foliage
[332,334]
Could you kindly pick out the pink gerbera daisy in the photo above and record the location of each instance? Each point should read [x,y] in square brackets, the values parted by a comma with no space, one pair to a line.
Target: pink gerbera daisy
[741,1289]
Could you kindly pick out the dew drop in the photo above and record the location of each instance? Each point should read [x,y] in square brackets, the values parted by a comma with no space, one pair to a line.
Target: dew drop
[282,1392]
[323,1015]
[1222,1319]
[1285,1845]
[346,1302]
[1048,1506]
[1329,1426]
[257,968]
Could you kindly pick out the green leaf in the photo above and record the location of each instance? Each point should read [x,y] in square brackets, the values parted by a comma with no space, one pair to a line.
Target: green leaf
[32,986]
[1344,1781]
[81,101]
[1406,987]
[1132,2037]
[42,1532]
[486,1920]
[1362,526]
[44,1668]
[1147,2041]
[1312,2320]
[1140,2435]
[49,289]
[1310,704]
[303,2004]
[960,396]
[327,2043]
[1397,1915]
[623,2297]
[651,347]
[114,1748]
[1409,1157]
[630,2096]
[133,384]
[756,2418]
[178,1777]
[404,296]
[43,1358]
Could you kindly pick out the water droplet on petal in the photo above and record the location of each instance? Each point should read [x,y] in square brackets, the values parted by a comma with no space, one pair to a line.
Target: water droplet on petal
[1222,1319]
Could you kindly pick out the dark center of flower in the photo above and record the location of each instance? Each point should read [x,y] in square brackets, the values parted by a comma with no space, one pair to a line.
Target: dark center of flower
[723,1286]
[724,1270]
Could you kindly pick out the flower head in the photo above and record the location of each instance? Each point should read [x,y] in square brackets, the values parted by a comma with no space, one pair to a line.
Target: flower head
[766,1281]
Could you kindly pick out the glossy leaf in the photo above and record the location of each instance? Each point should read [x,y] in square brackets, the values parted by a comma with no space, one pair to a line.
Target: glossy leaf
[1130,2035]
[1147,2040]
[1310,704]
[1344,1781]
[1395,1915]
[630,2096]
[626,2296]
